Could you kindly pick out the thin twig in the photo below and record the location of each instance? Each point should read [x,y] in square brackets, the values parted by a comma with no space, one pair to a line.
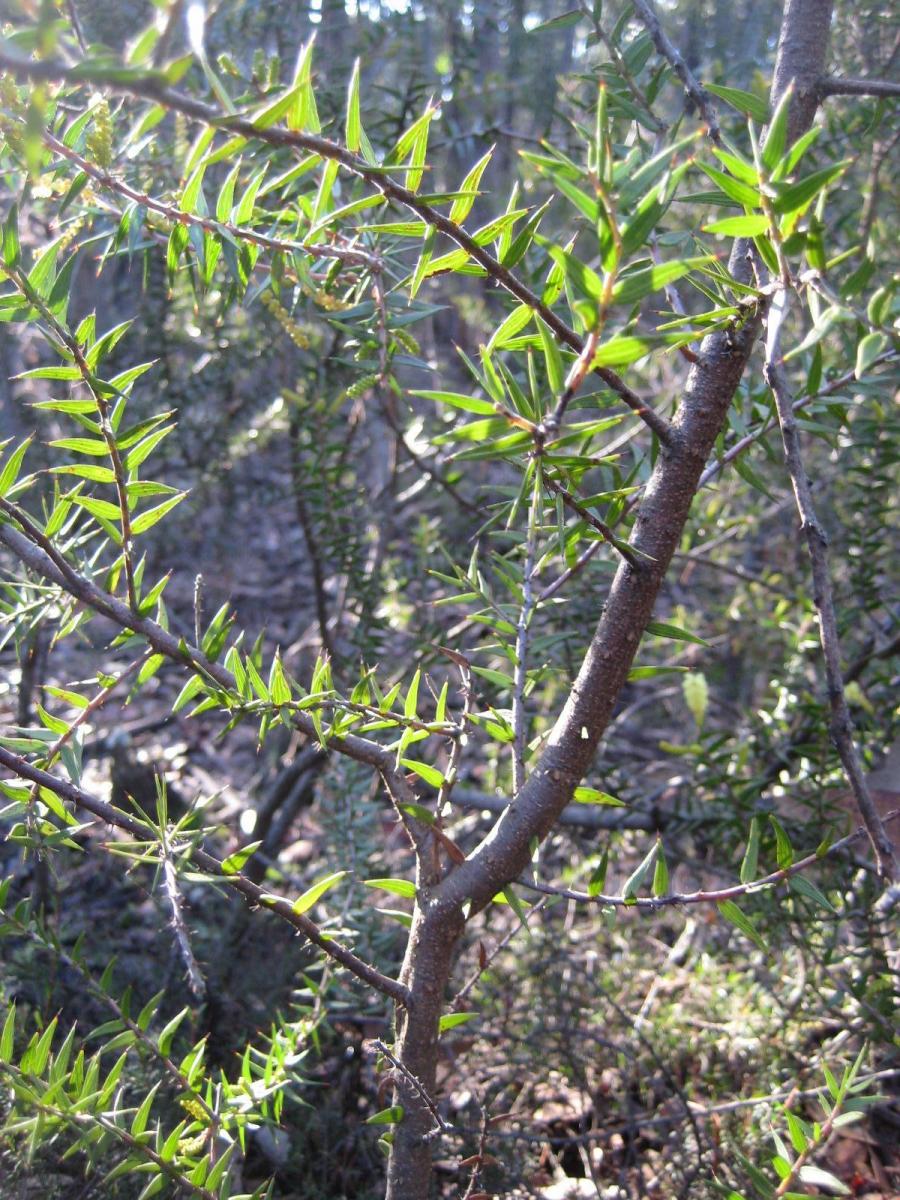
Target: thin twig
[520,670]
[484,963]
[451,774]
[823,598]
[711,896]
[576,816]
[441,1126]
[702,1113]
[172,892]
[695,90]
[602,528]
[658,126]
[563,578]
[750,439]
[31,551]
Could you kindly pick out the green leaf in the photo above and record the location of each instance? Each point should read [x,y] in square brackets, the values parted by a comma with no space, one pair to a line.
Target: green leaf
[818,1178]
[552,359]
[563,21]
[664,630]
[514,323]
[463,205]
[387,1116]
[794,196]
[802,886]
[784,851]
[10,470]
[622,351]
[412,696]
[747,226]
[641,283]
[751,854]
[639,874]
[99,508]
[696,695]
[455,400]
[660,886]
[744,102]
[732,913]
[353,133]
[279,688]
[739,167]
[142,1116]
[167,1033]
[194,685]
[150,516]
[305,902]
[652,672]
[735,189]
[91,446]
[452,1020]
[399,887]
[11,248]
[234,863]
[431,775]
[6,1037]
[871,346]
[776,137]
[589,795]
[67,373]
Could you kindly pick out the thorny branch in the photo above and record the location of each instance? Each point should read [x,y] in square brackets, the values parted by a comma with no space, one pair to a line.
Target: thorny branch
[485,959]
[441,1126]
[705,896]
[586,515]
[823,597]
[695,90]
[526,609]
[178,216]
[72,345]
[252,893]
[172,892]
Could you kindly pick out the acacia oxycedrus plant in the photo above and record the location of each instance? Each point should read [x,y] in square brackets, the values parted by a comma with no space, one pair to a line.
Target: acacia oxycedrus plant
[599,407]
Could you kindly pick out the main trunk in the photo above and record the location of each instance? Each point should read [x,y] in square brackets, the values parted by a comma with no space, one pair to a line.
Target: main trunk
[426,971]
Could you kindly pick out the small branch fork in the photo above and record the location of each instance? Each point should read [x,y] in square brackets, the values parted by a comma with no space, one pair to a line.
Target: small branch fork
[252,893]
[823,597]
[149,88]
[716,896]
